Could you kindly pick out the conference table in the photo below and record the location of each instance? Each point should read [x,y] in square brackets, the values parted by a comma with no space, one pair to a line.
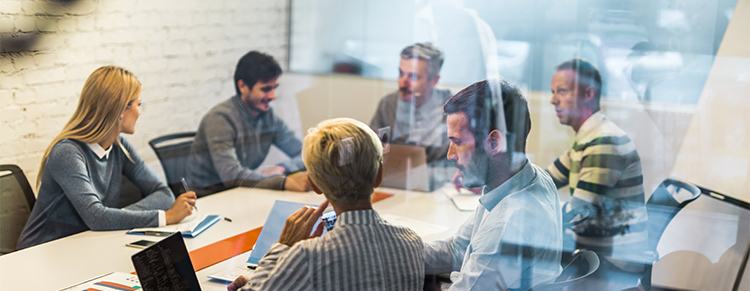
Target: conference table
[71,260]
[68,261]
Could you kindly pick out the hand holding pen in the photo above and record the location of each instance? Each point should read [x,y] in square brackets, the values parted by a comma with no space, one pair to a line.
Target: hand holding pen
[187,189]
[183,206]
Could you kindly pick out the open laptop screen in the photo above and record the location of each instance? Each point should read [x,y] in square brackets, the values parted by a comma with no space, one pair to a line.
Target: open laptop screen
[166,265]
[405,167]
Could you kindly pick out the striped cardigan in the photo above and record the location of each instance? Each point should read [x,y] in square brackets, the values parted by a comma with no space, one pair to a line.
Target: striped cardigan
[363,252]
[603,172]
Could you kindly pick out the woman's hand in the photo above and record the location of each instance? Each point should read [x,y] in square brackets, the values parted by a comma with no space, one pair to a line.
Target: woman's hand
[237,284]
[182,207]
[299,225]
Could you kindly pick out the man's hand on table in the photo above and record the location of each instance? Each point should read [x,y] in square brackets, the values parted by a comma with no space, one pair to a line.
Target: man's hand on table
[457,182]
[274,171]
[297,182]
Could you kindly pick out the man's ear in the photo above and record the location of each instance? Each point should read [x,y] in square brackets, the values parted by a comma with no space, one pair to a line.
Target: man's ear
[379,177]
[434,80]
[589,93]
[242,86]
[496,143]
[314,187]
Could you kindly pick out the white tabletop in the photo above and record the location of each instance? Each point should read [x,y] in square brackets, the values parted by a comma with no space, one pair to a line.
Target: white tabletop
[65,262]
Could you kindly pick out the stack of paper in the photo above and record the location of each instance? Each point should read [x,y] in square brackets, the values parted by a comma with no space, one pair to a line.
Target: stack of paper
[188,228]
[111,281]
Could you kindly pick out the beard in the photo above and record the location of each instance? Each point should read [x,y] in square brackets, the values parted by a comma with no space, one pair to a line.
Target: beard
[474,174]
[406,92]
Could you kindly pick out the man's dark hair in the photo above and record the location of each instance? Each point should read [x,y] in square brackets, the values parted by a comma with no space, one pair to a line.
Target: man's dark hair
[480,107]
[587,74]
[255,66]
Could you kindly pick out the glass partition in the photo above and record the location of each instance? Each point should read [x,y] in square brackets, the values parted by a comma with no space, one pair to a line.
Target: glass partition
[647,50]
[681,105]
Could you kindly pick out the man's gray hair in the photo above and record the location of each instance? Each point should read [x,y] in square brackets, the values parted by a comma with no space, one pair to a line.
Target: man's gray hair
[428,52]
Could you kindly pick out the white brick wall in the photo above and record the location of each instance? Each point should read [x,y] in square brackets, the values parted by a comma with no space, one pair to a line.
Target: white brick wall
[183,52]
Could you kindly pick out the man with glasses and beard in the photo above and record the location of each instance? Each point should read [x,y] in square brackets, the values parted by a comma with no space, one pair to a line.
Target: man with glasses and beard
[235,136]
[514,238]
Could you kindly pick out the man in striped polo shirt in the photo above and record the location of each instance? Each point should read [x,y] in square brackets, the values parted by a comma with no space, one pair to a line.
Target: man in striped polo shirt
[602,169]
[363,252]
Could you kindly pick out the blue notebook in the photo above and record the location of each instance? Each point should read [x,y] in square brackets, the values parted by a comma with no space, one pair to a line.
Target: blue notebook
[189,229]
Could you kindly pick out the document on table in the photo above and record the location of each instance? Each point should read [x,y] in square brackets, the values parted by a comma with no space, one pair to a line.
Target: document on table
[464,200]
[111,281]
[188,228]
[232,272]
[421,228]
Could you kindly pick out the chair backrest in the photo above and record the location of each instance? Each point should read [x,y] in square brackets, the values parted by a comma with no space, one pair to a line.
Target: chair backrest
[668,199]
[724,198]
[583,264]
[173,151]
[740,204]
[16,201]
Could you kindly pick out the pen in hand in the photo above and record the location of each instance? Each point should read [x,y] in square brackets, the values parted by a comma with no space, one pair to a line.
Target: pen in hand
[187,189]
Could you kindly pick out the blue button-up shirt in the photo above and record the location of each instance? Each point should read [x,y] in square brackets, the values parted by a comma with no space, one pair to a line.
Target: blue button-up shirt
[513,240]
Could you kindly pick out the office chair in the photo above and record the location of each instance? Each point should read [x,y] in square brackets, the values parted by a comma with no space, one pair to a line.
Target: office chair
[743,205]
[16,201]
[173,151]
[583,264]
[666,201]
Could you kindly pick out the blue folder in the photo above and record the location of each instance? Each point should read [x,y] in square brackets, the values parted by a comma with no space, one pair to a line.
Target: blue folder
[209,221]
[203,225]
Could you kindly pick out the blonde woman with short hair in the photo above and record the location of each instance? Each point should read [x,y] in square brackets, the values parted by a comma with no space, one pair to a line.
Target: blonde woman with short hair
[81,170]
[343,158]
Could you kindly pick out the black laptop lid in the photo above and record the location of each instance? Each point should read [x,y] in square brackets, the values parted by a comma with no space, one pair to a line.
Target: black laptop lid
[166,265]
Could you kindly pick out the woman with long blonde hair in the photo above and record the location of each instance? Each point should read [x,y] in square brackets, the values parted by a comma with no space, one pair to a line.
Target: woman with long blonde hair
[81,170]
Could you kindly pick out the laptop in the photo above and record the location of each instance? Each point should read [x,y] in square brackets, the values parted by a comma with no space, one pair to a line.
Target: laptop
[405,167]
[269,235]
[166,265]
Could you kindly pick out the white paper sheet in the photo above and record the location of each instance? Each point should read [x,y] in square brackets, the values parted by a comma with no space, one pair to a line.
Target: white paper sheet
[422,228]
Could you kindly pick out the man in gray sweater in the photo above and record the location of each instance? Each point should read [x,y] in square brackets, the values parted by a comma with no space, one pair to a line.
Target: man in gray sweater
[235,136]
[413,115]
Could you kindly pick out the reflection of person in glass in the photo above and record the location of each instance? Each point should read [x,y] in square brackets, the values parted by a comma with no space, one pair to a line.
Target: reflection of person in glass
[514,238]
[602,169]
[344,158]
[414,112]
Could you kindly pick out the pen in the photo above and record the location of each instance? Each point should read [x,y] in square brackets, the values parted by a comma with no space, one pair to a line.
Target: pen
[158,233]
[187,189]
